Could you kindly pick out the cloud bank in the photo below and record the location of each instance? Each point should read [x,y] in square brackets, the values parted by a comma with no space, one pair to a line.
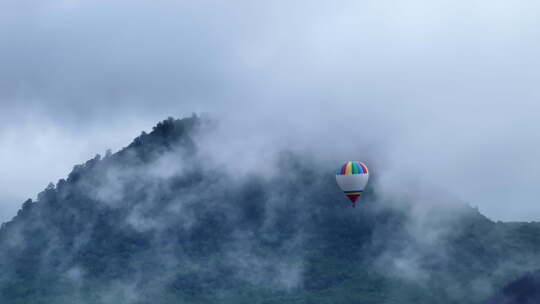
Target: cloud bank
[441,92]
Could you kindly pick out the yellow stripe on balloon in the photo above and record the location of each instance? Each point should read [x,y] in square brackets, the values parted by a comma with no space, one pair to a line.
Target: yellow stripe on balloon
[349,168]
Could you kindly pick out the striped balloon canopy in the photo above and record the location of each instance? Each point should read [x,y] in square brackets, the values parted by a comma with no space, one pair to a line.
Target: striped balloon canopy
[352,178]
[352,167]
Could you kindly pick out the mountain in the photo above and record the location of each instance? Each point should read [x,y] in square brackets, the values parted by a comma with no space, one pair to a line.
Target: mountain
[525,290]
[165,220]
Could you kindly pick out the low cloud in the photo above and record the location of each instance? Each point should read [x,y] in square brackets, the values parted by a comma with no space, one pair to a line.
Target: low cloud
[442,91]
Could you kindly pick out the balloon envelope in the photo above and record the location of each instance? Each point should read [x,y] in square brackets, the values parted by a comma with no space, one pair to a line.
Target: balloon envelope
[352,178]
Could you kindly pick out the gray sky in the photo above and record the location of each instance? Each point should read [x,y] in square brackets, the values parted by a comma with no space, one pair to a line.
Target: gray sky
[443,92]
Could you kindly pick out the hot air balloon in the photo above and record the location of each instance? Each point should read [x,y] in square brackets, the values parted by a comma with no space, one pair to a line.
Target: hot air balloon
[352,178]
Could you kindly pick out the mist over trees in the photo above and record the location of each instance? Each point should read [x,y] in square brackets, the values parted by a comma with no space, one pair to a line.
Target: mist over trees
[521,291]
[161,222]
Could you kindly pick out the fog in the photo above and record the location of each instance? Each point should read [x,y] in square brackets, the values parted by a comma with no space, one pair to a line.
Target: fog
[436,91]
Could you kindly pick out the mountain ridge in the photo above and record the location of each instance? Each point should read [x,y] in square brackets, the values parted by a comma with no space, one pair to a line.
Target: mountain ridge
[155,222]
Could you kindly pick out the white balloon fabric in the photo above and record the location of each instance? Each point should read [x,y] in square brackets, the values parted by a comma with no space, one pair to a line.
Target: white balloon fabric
[352,178]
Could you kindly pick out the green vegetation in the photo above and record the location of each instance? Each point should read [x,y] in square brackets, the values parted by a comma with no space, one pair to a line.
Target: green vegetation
[158,222]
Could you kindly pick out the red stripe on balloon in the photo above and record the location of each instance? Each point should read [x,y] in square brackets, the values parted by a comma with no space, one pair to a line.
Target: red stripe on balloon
[344,168]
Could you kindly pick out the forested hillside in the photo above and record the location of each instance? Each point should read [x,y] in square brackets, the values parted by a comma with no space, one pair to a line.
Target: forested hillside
[160,222]
[525,290]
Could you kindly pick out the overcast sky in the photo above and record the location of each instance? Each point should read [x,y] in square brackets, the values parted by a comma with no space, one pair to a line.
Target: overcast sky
[445,92]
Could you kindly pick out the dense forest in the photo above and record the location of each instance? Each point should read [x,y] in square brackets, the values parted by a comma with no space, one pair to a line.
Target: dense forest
[160,222]
[525,290]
